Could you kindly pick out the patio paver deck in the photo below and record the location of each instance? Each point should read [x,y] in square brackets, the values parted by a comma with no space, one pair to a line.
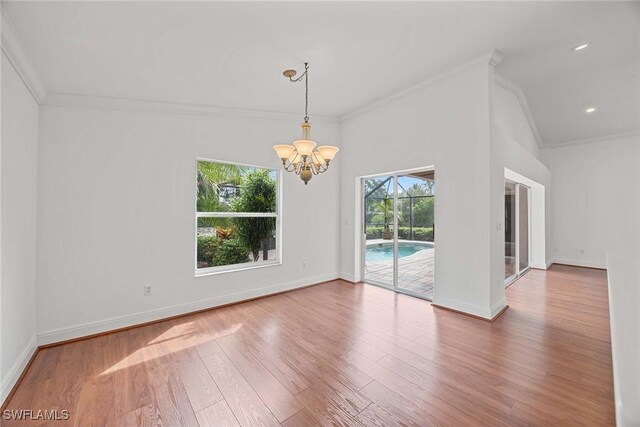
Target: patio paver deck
[415,272]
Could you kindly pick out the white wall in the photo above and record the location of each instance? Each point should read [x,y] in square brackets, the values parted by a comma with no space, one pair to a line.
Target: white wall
[513,146]
[509,115]
[624,298]
[18,178]
[596,199]
[116,212]
[445,124]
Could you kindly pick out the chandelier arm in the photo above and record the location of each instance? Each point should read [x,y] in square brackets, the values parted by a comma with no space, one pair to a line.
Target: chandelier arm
[322,169]
[288,167]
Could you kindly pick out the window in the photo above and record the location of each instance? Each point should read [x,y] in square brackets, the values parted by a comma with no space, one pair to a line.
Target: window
[237,217]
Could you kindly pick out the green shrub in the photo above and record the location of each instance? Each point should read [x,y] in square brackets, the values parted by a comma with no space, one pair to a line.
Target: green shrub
[207,248]
[258,195]
[423,233]
[374,233]
[231,251]
[419,233]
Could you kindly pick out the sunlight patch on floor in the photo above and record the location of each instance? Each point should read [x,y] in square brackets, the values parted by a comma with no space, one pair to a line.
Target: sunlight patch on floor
[174,340]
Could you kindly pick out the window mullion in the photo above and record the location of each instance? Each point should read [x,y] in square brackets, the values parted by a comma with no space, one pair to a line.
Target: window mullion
[236,214]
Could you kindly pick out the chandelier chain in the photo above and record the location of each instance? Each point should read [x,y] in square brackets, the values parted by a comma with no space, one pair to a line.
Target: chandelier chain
[306,92]
[304,75]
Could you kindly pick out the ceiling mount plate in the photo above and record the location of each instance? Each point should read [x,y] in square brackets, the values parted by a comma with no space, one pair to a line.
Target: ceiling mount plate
[289,73]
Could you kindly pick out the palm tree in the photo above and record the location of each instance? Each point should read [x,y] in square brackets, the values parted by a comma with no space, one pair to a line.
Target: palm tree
[211,177]
[385,208]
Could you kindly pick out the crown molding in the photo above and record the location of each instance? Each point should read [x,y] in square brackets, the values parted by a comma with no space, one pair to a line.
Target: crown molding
[596,139]
[507,84]
[19,58]
[492,58]
[53,99]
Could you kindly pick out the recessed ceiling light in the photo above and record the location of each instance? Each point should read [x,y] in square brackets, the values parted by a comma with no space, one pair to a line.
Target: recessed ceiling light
[580,47]
[590,110]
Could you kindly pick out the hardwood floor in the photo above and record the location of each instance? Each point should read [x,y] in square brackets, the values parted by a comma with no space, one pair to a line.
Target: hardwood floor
[343,354]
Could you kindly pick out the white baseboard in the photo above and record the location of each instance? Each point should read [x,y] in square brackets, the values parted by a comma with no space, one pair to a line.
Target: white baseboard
[92,328]
[347,276]
[540,266]
[484,312]
[578,263]
[498,307]
[16,370]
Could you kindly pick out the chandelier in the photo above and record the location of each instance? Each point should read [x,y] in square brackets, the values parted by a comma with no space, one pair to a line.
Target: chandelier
[305,158]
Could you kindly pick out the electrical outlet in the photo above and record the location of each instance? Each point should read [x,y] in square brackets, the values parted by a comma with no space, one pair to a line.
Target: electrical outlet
[147,291]
[304,265]
[582,251]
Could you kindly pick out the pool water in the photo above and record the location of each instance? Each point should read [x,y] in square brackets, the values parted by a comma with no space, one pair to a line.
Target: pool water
[384,251]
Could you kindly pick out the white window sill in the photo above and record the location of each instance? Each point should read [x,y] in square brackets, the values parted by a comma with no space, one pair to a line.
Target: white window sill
[236,267]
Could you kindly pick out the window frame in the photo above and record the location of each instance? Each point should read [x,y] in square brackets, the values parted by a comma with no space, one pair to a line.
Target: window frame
[277,214]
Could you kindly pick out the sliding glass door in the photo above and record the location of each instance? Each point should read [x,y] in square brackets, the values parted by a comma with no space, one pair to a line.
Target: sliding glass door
[379,226]
[415,247]
[523,228]
[398,232]
[516,230]
[509,230]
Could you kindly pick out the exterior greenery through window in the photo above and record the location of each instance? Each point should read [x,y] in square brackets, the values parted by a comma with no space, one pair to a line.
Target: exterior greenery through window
[415,208]
[237,216]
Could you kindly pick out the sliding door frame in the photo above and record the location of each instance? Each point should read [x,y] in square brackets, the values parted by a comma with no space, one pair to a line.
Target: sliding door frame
[521,271]
[517,271]
[363,237]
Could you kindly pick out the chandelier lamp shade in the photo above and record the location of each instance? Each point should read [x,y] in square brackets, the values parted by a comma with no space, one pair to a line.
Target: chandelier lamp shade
[304,157]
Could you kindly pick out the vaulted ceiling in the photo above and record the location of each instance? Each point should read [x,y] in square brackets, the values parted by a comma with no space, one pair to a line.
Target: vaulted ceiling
[232,54]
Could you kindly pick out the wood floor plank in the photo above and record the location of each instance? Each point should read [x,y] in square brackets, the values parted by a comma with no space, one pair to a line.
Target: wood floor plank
[244,402]
[44,365]
[377,415]
[217,415]
[392,408]
[198,383]
[300,419]
[146,416]
[328,408]
[278,399]
[132,389]
[424,397]
[344,354]
[338,395]
[96,405]
[282,365]
[169,396]
[318,356]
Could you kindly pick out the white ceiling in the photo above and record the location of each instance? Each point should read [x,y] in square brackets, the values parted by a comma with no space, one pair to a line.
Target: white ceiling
[232,54]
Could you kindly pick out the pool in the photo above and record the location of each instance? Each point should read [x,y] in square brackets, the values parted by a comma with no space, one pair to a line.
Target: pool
[384,251]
